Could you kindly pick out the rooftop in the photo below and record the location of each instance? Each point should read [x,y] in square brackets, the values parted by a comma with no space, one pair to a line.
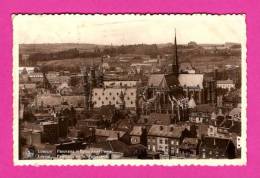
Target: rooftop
[166,131]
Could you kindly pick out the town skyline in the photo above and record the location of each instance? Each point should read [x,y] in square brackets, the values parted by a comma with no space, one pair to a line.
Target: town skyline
[170,102]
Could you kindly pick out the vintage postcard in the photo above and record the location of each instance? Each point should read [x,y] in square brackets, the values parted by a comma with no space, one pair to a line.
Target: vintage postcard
[129,89]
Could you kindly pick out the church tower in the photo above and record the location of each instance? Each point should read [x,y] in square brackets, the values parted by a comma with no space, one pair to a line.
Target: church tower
[92,76]
[87,91]
[175,64]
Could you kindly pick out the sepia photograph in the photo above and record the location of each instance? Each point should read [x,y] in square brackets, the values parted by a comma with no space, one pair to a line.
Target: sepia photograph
[129,89]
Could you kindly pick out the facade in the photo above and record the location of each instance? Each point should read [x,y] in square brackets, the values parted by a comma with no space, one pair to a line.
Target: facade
[50,131]
[102,135]
[27,86]
[27,70]
[226,84]
[189,148]
[49,100]
[36,77]
[136,134]
[164,139]
[215,148]
[235,114]
[120,83]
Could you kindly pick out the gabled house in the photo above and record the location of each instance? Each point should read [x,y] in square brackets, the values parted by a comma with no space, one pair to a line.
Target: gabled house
[164,139]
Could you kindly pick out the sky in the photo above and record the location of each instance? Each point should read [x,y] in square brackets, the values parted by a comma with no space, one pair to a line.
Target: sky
[128,29]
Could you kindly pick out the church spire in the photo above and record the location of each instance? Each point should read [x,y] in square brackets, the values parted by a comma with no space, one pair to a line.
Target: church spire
[175,64]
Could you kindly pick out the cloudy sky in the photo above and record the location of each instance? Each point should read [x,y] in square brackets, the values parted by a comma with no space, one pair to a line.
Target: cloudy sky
[128,29]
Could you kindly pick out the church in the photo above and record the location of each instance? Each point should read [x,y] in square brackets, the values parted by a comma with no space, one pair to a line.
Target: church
[176,92]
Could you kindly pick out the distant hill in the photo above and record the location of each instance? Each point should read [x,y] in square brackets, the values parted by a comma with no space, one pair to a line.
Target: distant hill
[56,47]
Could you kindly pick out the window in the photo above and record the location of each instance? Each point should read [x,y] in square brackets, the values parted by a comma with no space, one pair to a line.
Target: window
[166,141]
[114,98]
[131,102]
[177,143]
[161,128]
[96,94]
[109,102]
[128,98]
[99,98]
[161,141]
[177,151]
[102,102]
[132,93]
[172,142]
[106,98]
[110,93]
[153,148]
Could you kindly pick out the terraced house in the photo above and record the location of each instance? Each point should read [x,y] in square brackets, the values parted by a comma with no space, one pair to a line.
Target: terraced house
[165,139]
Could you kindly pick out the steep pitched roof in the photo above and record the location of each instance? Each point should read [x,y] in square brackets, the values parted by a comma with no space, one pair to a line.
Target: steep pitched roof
[191,80]
[234,112]
[204,108]
[137,130]
[112,134]
[225,81]
[189,143]
[172,131]
[157,80]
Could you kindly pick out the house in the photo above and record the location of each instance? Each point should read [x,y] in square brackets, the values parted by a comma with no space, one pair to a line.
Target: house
[116,146]
[202,113]
[216,148]
[189,148]
[226,84]
[107,112]
[155,118]
[64,89]
[36,77]
[31,136]
[28,70]
[27,86]
[50,131]
[138,135]
[87,126]
[235,114]
[164,139]
[50,100]
[102,135]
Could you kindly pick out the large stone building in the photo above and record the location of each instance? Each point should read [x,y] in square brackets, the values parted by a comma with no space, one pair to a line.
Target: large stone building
[120,97]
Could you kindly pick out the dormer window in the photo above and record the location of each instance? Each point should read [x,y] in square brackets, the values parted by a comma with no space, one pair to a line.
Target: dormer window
[161,128]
